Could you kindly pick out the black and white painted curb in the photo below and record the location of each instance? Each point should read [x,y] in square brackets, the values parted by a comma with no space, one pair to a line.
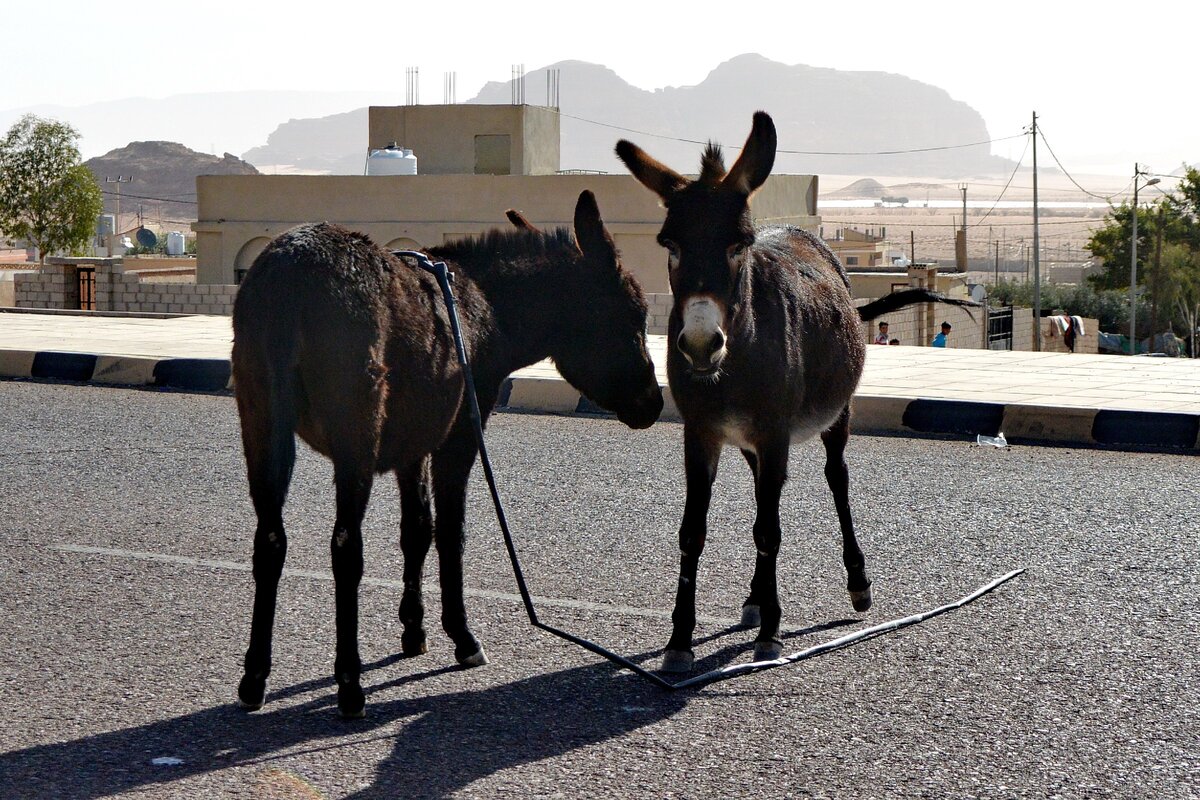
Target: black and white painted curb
[191,374]
[871,413]
[1067,424]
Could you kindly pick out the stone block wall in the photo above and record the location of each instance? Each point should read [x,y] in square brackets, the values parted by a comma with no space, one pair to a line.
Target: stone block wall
[127,293]
[56,285]
[659,311]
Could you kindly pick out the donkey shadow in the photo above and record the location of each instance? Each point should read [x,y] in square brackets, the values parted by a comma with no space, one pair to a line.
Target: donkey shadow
[450,740]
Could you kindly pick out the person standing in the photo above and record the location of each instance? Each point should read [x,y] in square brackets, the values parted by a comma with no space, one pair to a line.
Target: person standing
[940,339]
[882,336]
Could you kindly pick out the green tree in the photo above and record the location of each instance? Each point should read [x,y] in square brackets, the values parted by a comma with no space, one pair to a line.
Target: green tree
[1111,243]
[47,196]
[1182,265]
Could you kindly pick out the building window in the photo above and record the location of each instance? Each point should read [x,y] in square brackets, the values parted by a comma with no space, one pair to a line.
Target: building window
[492,154]
[851,261]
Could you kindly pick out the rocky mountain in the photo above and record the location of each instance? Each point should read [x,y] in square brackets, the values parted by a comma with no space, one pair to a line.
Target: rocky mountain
[163,176]
[335,144]
[822,115]
[827,118]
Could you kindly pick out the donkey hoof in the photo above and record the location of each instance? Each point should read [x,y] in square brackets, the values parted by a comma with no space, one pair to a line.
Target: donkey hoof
[751,616]
[415,645]
[861,600]
[252,693]
[767,651]
[476,659]
[351,702]
[678,661]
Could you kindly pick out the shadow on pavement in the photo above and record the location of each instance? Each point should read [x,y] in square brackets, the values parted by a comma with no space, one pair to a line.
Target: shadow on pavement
[450,740]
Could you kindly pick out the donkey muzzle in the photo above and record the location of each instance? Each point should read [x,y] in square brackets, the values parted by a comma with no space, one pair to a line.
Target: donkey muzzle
[702,341]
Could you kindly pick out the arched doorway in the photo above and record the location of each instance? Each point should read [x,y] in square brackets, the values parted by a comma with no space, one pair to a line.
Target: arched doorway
[246,256]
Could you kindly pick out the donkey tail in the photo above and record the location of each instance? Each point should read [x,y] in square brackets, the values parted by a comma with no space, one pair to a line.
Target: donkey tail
[897,300]
[267,386]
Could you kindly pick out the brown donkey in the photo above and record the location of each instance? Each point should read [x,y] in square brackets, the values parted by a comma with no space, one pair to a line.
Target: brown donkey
[764,347]
[350,347]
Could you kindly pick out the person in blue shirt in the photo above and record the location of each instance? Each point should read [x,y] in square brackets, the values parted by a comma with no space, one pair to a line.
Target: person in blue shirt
[940,339]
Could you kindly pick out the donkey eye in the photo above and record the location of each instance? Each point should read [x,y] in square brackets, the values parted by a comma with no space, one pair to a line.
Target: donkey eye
[672,253]
[736,254]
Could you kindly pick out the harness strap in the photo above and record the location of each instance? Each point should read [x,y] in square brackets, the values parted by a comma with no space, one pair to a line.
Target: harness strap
[444,278]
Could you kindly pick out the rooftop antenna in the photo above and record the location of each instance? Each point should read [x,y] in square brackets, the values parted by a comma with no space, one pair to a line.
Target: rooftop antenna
[412,88]
[518,84]
[450,88]
[553,77]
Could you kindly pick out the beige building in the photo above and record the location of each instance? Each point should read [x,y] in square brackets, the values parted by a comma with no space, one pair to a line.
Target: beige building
[464,186]
[857,248]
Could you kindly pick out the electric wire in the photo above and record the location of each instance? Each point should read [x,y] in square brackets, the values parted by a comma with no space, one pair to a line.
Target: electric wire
[793,152]
[1005,189]
[1106,198]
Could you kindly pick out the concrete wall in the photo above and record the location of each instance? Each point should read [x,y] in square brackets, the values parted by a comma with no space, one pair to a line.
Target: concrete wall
[240,214]
[57,286]
[443,137]
[912,326]
[877,284]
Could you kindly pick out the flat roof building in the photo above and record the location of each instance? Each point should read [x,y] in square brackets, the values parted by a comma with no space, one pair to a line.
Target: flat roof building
[473,163]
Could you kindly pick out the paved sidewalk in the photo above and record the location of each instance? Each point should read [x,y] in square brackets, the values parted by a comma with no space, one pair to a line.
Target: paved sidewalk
[1040,396]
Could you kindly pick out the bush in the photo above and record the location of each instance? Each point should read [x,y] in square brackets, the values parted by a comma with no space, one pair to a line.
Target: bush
[1109,307]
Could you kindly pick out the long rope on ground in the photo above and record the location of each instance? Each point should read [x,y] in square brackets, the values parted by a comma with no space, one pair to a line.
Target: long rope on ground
[444,279]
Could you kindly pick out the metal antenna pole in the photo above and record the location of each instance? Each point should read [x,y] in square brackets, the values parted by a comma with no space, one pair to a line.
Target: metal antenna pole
[1037,264]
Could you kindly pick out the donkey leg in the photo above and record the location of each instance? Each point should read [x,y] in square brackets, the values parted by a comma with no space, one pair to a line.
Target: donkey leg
[270,450]
[838,477]
[751,610]
[270,548]
[701,454]
[416,534]
[451,466]
[768,487]
[352,477]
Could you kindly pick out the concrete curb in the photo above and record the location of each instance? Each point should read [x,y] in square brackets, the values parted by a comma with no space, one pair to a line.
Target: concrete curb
[1061,424]
[191,374]
[871,413]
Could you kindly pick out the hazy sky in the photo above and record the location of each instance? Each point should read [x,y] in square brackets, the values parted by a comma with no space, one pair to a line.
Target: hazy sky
[1111,83]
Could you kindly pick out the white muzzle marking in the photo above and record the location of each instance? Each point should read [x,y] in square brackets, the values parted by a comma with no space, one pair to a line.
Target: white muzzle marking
[701,322]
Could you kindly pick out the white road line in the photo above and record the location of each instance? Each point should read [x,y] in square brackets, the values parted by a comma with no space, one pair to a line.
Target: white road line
[237,566]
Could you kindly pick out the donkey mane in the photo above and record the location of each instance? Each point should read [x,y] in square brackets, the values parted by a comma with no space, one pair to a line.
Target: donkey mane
[506,251]
[775,238]
[712,164]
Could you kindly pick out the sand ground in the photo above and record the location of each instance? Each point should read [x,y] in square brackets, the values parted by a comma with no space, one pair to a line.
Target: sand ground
[1063,232]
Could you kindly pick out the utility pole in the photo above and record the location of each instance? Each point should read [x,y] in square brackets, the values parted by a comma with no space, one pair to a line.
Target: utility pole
[1133,245]
[912,247]
[997,280]
[117,225]
[960,237]
[1037,264]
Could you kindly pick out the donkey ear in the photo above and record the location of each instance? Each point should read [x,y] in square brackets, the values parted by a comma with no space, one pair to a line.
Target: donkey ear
[758,156]
[658,178]
[590,234]
[520,222]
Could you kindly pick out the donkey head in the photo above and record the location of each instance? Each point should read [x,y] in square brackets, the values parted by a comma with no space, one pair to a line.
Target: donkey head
[707,234]
[603,353]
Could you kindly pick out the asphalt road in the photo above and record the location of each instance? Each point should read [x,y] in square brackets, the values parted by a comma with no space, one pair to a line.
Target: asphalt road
[125,592]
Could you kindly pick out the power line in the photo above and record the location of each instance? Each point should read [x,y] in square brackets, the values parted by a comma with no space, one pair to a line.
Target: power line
[791,152]
[1106,198]
[876,222]
[1002,191]
[147,197]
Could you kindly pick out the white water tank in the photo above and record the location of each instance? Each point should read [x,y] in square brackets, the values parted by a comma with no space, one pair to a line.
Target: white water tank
[392,160]
[175,244]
